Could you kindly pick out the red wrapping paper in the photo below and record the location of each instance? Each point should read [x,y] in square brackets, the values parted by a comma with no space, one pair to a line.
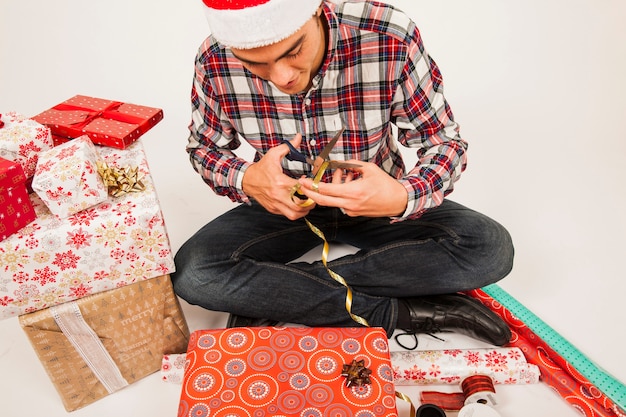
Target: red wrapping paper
[555,371]
[106,122]
[16,209]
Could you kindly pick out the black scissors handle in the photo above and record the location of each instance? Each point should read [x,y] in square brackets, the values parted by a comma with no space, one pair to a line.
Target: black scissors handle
[295,155]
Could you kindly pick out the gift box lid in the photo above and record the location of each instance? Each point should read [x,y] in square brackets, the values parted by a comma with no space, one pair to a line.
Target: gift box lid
[106,122]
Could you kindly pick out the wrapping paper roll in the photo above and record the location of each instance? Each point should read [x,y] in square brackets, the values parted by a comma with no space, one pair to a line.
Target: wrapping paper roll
[451,366]
[557,371]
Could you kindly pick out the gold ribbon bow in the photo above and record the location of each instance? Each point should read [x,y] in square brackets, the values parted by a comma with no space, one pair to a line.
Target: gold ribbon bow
[120,181]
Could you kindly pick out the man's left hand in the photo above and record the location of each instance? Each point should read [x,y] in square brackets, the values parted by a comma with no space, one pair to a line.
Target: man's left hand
[373,194]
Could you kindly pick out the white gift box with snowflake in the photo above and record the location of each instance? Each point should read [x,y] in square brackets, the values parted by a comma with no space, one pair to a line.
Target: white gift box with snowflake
[505,365]
[22,139]
[67,178]
[112,244]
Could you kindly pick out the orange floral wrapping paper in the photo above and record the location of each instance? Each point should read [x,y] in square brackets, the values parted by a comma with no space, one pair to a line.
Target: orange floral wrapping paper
[268,371]
[137,325]
[115,243]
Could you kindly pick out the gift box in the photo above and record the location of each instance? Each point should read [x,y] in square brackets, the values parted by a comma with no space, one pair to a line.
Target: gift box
[99,344]
[67,178]
[16,210]
[269,371]
[115,243]
[21,140]
[106,122]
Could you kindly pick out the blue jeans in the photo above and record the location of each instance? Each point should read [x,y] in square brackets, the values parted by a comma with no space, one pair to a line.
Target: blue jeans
[240,263]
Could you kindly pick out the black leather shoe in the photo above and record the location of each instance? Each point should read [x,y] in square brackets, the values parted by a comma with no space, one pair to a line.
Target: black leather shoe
[242,321]
[456,313]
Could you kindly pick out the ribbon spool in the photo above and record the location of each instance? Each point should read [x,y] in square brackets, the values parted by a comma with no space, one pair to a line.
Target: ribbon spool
[479,389]
[478,410]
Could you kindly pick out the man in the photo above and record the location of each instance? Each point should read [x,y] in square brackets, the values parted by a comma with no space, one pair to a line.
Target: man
[274,71]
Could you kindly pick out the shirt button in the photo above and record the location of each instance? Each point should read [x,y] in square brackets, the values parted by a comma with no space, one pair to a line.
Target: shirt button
[312,142]
[307,102]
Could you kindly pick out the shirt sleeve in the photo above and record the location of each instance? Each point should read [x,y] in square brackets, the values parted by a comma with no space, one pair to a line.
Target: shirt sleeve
[425,122]
[213,139]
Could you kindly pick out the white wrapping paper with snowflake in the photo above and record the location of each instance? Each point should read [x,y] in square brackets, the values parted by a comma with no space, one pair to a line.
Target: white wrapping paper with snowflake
[67,178]
[111,244]
[505,365]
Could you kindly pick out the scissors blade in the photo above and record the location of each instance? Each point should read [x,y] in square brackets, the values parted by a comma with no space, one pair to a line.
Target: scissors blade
[323,156]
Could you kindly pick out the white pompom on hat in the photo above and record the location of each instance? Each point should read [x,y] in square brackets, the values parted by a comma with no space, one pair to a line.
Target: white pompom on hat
[246,24]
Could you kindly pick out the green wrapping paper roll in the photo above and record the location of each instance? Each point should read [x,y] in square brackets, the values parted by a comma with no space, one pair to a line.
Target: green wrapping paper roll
[610,386]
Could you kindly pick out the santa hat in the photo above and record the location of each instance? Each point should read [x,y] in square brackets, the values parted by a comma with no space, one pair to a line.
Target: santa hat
[245,24]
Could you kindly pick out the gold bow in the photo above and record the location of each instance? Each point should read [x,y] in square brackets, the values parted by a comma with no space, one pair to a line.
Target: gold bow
[120,181]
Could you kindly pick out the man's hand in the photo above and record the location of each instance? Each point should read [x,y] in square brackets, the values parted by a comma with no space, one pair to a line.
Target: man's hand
[266,183]
[374,194]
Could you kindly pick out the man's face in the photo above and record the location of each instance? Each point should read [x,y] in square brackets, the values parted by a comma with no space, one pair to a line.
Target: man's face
[291,63]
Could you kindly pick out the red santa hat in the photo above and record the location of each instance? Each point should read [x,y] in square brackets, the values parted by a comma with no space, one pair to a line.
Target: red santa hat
[245,24]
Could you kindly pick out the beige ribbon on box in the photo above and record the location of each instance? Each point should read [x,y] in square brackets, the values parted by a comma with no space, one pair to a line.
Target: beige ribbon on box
[88,345]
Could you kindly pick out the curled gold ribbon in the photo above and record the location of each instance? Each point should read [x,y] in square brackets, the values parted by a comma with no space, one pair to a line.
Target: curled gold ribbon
[336,276]
[295,190]
[343,282]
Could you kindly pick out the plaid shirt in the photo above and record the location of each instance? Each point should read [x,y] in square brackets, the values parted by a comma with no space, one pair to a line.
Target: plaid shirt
[376,73]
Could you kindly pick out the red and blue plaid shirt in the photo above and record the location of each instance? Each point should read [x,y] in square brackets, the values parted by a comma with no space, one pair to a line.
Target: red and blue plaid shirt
[376,74]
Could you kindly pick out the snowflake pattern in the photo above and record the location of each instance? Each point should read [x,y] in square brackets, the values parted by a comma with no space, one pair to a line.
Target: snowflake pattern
[112,244]
[506,365]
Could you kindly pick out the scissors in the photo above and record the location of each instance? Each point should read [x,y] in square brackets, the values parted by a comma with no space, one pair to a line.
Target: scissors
[322,160]
[320,164]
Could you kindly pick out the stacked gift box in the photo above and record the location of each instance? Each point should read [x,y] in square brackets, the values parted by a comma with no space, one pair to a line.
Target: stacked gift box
[21,141]
[87,271]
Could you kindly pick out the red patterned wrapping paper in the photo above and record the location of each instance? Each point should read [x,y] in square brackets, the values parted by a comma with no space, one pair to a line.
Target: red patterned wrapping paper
[16,210]
[21,140]
[555,371]
[106,122]
[279,371]
[115,243]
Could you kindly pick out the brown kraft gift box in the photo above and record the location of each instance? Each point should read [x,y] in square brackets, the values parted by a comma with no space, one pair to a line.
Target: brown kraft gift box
[136,325]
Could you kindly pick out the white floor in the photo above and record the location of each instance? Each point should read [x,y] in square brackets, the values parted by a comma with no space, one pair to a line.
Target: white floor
[537,86]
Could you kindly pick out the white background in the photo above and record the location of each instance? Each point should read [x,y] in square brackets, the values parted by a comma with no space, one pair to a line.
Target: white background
[537,86]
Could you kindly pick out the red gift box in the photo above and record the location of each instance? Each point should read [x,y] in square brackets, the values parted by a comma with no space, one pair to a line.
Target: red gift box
[16,210]
[106,122]
[272,371]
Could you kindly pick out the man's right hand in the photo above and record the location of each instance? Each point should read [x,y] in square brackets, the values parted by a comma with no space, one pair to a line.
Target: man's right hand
[266,183]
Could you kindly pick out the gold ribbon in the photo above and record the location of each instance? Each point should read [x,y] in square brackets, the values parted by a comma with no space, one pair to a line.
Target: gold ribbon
[336,276]
[316,180]
[295,190]
[120,181]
